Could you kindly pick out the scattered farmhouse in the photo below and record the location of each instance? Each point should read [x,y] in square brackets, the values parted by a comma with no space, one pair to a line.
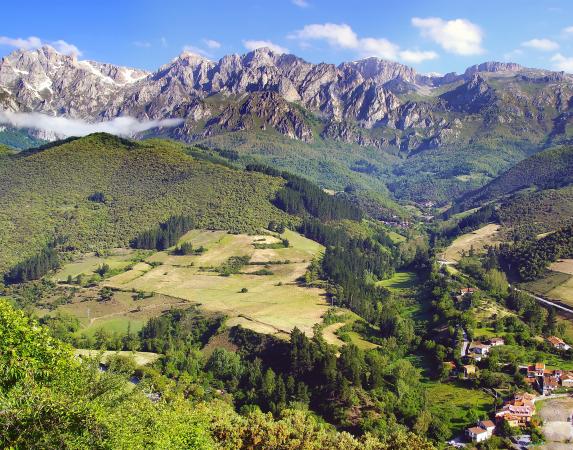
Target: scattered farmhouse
[495,341]
[468,290]
[477,434]
[558,343]
[478,350]
[483,431]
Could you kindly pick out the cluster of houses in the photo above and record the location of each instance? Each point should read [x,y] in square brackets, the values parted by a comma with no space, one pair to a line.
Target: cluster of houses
[520,409]
[546,381]
[517,411]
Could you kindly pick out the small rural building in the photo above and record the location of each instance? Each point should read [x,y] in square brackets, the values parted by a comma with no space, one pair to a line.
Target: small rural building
[468,290]
[550,383]
[469,370]
[477,434]
[567,379]
[558,343]
[495,341]
[488,426]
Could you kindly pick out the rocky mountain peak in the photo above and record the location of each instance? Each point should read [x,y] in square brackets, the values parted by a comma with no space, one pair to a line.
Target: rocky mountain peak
[381,70]
[493,66]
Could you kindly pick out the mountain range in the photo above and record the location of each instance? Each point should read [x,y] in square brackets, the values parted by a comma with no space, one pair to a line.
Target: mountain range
[375,117]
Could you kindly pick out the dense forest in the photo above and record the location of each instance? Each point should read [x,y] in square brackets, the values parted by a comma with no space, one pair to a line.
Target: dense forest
[35,267]
[301,196]
[529,259]
[166,235]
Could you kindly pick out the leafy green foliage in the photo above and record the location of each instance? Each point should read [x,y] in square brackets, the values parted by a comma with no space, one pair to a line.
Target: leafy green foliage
[49,399]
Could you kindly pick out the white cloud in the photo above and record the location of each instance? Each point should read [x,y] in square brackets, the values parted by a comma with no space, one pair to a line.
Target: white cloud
[300,3]
[342,36]
[337,35]
[545,45]
[254,44]
[163,41]
[459,36]
[66,48]
[197,50]
[414,56]
[212,43]
[24,44]
[61,126]
[34,42]
[142,44]
[562,62]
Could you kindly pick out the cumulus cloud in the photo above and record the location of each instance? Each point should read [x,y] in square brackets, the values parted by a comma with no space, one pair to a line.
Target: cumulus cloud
[34,42]
[568,30]
[254,44]
[300,3]
[212,43]
[415,56]
[62,126]
[561,62]
[342,36]
[545,45]
[197,50]
[459,36]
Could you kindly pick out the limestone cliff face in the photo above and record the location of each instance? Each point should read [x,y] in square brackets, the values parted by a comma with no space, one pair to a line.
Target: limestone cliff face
[355,102]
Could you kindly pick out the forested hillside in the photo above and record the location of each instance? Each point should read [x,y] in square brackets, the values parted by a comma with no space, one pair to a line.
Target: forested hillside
[549,169]
[101,191]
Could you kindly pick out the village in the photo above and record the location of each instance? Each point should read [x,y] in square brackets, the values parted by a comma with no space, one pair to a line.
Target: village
[515,411]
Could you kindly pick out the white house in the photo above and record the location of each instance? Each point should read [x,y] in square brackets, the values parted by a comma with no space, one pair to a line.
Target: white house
[477,434]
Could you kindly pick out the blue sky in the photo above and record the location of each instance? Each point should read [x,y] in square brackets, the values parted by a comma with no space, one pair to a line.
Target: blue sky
[432,36]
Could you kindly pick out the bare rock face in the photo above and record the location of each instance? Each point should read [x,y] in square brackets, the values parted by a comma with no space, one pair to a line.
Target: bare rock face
[265,109]
[263,89]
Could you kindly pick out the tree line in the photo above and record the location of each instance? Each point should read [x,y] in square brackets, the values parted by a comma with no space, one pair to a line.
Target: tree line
[302,197]
[34,267]
[165,235]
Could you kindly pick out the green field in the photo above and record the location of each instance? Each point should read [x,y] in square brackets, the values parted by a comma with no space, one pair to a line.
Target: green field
[87,264]
[400,281]
[453,402]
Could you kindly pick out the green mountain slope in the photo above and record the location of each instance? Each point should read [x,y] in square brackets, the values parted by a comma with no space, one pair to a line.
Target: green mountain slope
[45,194]
[549,169]
[535,196]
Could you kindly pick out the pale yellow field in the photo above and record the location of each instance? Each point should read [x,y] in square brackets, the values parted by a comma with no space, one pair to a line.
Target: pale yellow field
[478,239]
[563,292]
[141,358]
[563,265]
[273,304]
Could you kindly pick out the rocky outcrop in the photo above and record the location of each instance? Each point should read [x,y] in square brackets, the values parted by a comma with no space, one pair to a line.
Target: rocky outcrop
[355,102]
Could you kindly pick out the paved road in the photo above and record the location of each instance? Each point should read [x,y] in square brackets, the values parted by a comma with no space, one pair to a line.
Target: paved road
[547,302]
[465,343]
